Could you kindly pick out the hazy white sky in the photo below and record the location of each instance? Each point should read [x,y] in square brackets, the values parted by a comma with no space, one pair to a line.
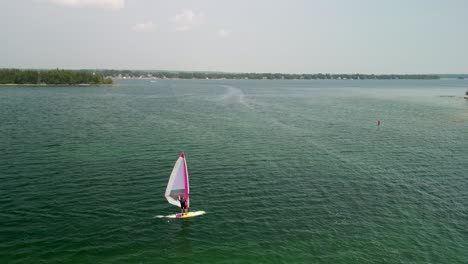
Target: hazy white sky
[359,36]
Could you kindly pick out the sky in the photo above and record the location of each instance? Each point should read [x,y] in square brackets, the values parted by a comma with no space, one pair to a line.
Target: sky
[290,36]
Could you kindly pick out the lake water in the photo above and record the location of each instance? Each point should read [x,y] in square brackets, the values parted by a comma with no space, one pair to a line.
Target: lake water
[287,171]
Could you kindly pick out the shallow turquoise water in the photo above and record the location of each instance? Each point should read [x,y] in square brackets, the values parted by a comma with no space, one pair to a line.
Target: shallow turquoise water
[288,172]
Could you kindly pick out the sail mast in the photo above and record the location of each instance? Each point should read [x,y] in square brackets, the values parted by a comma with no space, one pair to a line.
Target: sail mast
[186,181]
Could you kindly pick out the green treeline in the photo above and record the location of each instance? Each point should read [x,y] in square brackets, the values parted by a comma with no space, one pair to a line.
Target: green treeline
[259,76]
[93,77]
[45,77]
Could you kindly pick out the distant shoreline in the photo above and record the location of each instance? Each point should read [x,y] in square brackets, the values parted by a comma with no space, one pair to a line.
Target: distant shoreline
[104,77]
[245,79]
[55,77]
[258,76]
[53,85]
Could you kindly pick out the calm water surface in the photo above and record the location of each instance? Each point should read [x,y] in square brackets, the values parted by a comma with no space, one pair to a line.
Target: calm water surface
[288,172]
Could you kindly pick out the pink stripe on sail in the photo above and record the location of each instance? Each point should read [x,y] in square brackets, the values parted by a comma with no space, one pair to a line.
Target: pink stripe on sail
[185,180]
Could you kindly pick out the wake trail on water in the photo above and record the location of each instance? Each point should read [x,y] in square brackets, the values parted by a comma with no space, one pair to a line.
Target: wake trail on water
[233,95]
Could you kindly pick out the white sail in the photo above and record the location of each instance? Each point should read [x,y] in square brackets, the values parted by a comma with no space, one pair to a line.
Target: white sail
[178,183]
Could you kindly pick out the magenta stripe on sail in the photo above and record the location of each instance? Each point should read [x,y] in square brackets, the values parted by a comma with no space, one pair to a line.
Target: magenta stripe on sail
[185,180]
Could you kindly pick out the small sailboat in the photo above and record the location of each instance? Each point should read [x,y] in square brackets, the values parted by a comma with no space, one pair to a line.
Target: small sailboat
[178,186]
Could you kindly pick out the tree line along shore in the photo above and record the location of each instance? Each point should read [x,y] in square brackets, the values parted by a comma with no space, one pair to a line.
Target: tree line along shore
[104,77]
[53,77]
[260,76]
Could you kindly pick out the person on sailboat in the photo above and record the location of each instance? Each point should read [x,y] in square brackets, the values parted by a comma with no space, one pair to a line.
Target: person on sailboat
[183,204]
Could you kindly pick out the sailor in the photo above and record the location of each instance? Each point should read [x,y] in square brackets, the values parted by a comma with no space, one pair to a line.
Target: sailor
[183,204]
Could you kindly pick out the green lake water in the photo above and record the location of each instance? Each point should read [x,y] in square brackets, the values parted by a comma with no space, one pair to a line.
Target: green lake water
[287,171]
